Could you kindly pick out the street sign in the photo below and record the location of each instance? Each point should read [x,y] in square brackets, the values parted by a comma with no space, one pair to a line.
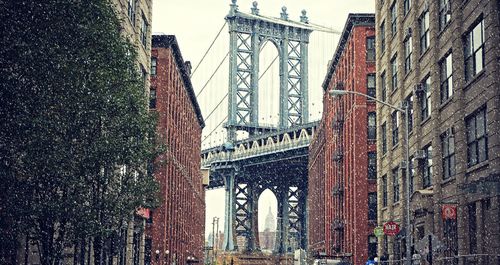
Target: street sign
[378,231]
[449,211]
[391,228]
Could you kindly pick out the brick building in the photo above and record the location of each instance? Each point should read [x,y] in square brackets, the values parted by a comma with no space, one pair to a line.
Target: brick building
[342,173]
[441,58]
[177,227]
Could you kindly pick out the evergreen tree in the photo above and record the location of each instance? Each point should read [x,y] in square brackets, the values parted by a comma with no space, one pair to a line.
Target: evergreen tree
[73,110]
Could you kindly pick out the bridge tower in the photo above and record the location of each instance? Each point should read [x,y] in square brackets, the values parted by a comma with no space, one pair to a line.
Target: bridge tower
[248,33]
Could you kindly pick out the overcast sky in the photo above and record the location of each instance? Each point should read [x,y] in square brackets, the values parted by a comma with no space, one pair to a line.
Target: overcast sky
[195,23]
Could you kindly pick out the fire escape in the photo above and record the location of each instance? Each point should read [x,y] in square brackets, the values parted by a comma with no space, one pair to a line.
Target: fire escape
[338,224]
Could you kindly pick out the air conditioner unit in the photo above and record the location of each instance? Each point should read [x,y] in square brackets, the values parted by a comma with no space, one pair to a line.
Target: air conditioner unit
[420,154]
[418,89]
[402,165]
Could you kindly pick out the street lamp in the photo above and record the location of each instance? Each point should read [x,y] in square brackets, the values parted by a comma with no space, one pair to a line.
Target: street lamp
[406,112]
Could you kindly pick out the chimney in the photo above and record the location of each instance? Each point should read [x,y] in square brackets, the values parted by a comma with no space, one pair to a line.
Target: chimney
[188,67]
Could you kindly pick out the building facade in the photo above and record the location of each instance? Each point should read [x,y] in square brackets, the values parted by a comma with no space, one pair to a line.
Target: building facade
[441,59]
[342,172]
[177,227]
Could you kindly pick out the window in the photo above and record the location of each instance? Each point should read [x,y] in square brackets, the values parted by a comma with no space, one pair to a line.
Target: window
[394,18]
[371,88]
[425,100]
[384,139]
[424,31]
[144,31]
[152,98]
[448,149]
[131,11]
[427,168]
[474,50]
[445,74]
[395,185]
[153,66]
[408,51]
[382,36]
[372,126]
[394,67]
[384,190]
[472,228]
[383,88]
[395,128]
[444,13]
[370,48]
[409,102]
[148,246]
[477,137]
[406,6]
[372,165]
[372,206]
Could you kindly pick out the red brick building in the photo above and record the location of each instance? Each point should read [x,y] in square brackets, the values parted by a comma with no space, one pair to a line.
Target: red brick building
[342,163]
[176,229]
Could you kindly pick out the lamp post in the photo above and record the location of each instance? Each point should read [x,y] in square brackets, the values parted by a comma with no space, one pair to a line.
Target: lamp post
[404,111]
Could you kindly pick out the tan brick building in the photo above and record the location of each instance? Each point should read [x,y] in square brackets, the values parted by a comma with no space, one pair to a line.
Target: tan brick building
[442,57]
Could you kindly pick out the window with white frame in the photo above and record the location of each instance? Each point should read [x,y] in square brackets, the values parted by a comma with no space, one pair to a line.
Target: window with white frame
[477,137]
[382,36]
[444,13]
[395,185]
[395,128]
[474,50]
[425,99]
[394,18]
[131,11]
[394,68]
[448,151]
[446,76]
[408,49]
[427,167]
[424,31]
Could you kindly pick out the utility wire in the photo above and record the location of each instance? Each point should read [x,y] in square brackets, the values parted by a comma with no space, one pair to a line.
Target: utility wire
[212,44]
[217,69]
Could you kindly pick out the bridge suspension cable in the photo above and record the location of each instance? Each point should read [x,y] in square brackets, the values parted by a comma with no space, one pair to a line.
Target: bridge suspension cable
[220,123]
[213,74]
[208,50]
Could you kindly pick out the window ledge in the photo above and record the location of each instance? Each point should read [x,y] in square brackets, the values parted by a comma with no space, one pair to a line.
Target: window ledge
[474,79]
[372,141]
[445,103]
[422,123]
[448,180]
[394,204]
[395,146]
[477,167]
[445,27]
[423,54]
[384,208]
[372,180]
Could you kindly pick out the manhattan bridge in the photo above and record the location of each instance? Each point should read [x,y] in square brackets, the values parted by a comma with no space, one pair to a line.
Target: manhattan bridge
[251,156]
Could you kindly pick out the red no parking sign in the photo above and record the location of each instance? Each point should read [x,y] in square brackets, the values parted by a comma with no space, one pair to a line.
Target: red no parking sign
[449,212]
